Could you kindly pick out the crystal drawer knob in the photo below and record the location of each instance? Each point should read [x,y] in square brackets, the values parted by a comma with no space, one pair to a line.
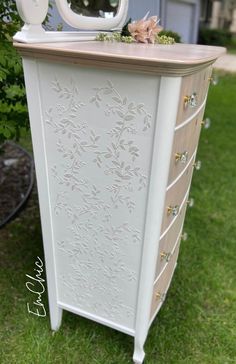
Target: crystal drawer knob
[181,157]
[190,202]
[214,80]
[191,100]
[160,296]
[184,236]
[173,210]
[197,165]
[206,123]
[165,256]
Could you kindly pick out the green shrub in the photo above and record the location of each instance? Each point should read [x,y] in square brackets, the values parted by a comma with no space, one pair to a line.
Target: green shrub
[13,105]
[13,109]
[170,33]
[217,37]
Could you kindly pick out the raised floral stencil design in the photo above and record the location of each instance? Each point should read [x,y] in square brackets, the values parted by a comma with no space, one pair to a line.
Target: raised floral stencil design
[122,144]
[97,273]
[65,122]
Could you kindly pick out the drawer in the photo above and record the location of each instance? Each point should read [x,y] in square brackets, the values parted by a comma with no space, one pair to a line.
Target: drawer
[162,284]
[175,196]
[168,241]
[196,87]
[184,145]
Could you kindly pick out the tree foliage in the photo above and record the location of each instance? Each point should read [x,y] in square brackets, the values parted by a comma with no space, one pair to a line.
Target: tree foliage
[13,109]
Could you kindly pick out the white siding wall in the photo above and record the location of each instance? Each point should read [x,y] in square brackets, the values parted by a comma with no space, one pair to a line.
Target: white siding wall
[182,16]
[138,8]
[56,19]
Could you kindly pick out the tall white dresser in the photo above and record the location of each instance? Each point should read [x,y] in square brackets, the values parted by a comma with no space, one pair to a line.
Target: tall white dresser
[115,131]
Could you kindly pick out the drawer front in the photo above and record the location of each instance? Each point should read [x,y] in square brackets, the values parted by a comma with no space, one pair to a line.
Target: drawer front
[194,87]
[168,241]
[162,284]
[184,145]
[175,196]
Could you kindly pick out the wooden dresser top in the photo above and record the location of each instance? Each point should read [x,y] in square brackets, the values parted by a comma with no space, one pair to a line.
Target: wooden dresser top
[173,60]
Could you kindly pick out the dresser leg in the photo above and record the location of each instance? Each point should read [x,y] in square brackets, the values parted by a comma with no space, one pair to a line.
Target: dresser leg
[55,318]
[139,353]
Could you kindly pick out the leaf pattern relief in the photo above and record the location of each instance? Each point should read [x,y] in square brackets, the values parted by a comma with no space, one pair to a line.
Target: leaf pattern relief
[95,252]
[66,122]
[122,145]
[95,272]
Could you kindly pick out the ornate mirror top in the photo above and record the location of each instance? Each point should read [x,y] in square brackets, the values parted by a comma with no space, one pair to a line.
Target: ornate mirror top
[94,8]
[87,15]
[93,14]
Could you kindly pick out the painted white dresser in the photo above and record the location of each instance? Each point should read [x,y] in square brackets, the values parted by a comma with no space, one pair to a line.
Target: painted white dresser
[115,130]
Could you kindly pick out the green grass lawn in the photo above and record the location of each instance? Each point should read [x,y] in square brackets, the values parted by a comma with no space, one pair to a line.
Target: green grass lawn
[196,325]
[231,50]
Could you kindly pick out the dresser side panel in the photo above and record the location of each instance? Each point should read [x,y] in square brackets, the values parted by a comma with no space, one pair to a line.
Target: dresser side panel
[99,128]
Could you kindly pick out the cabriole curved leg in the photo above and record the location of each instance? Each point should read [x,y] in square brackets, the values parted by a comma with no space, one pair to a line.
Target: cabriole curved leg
[55,318]
[139,353]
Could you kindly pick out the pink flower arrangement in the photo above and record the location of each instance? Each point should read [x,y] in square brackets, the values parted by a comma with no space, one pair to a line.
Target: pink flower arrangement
[145,30]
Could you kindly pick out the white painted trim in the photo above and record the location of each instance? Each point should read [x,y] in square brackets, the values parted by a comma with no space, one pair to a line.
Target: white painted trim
[32,82]
[41,36]
[185,122]
[163,138]
[123,18]
[96,318]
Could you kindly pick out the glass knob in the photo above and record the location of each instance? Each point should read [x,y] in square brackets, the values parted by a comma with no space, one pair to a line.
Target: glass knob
[214,80]
[190,202]
[197,165]
[181,157]
[165,256]
[206,123]
[173,210]
[184,236]
[191,100]
[160,296]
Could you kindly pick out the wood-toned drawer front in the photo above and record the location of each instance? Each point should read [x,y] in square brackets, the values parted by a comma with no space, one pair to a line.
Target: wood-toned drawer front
[168,241]
[162,284]
[185,142]
[195,86]
[175,196]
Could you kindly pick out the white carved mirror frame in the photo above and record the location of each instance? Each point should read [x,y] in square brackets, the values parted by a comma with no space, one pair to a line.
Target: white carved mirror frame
[92,23]
[33,13]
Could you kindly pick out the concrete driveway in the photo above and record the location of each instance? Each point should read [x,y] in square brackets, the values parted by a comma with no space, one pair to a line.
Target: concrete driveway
[226,63]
